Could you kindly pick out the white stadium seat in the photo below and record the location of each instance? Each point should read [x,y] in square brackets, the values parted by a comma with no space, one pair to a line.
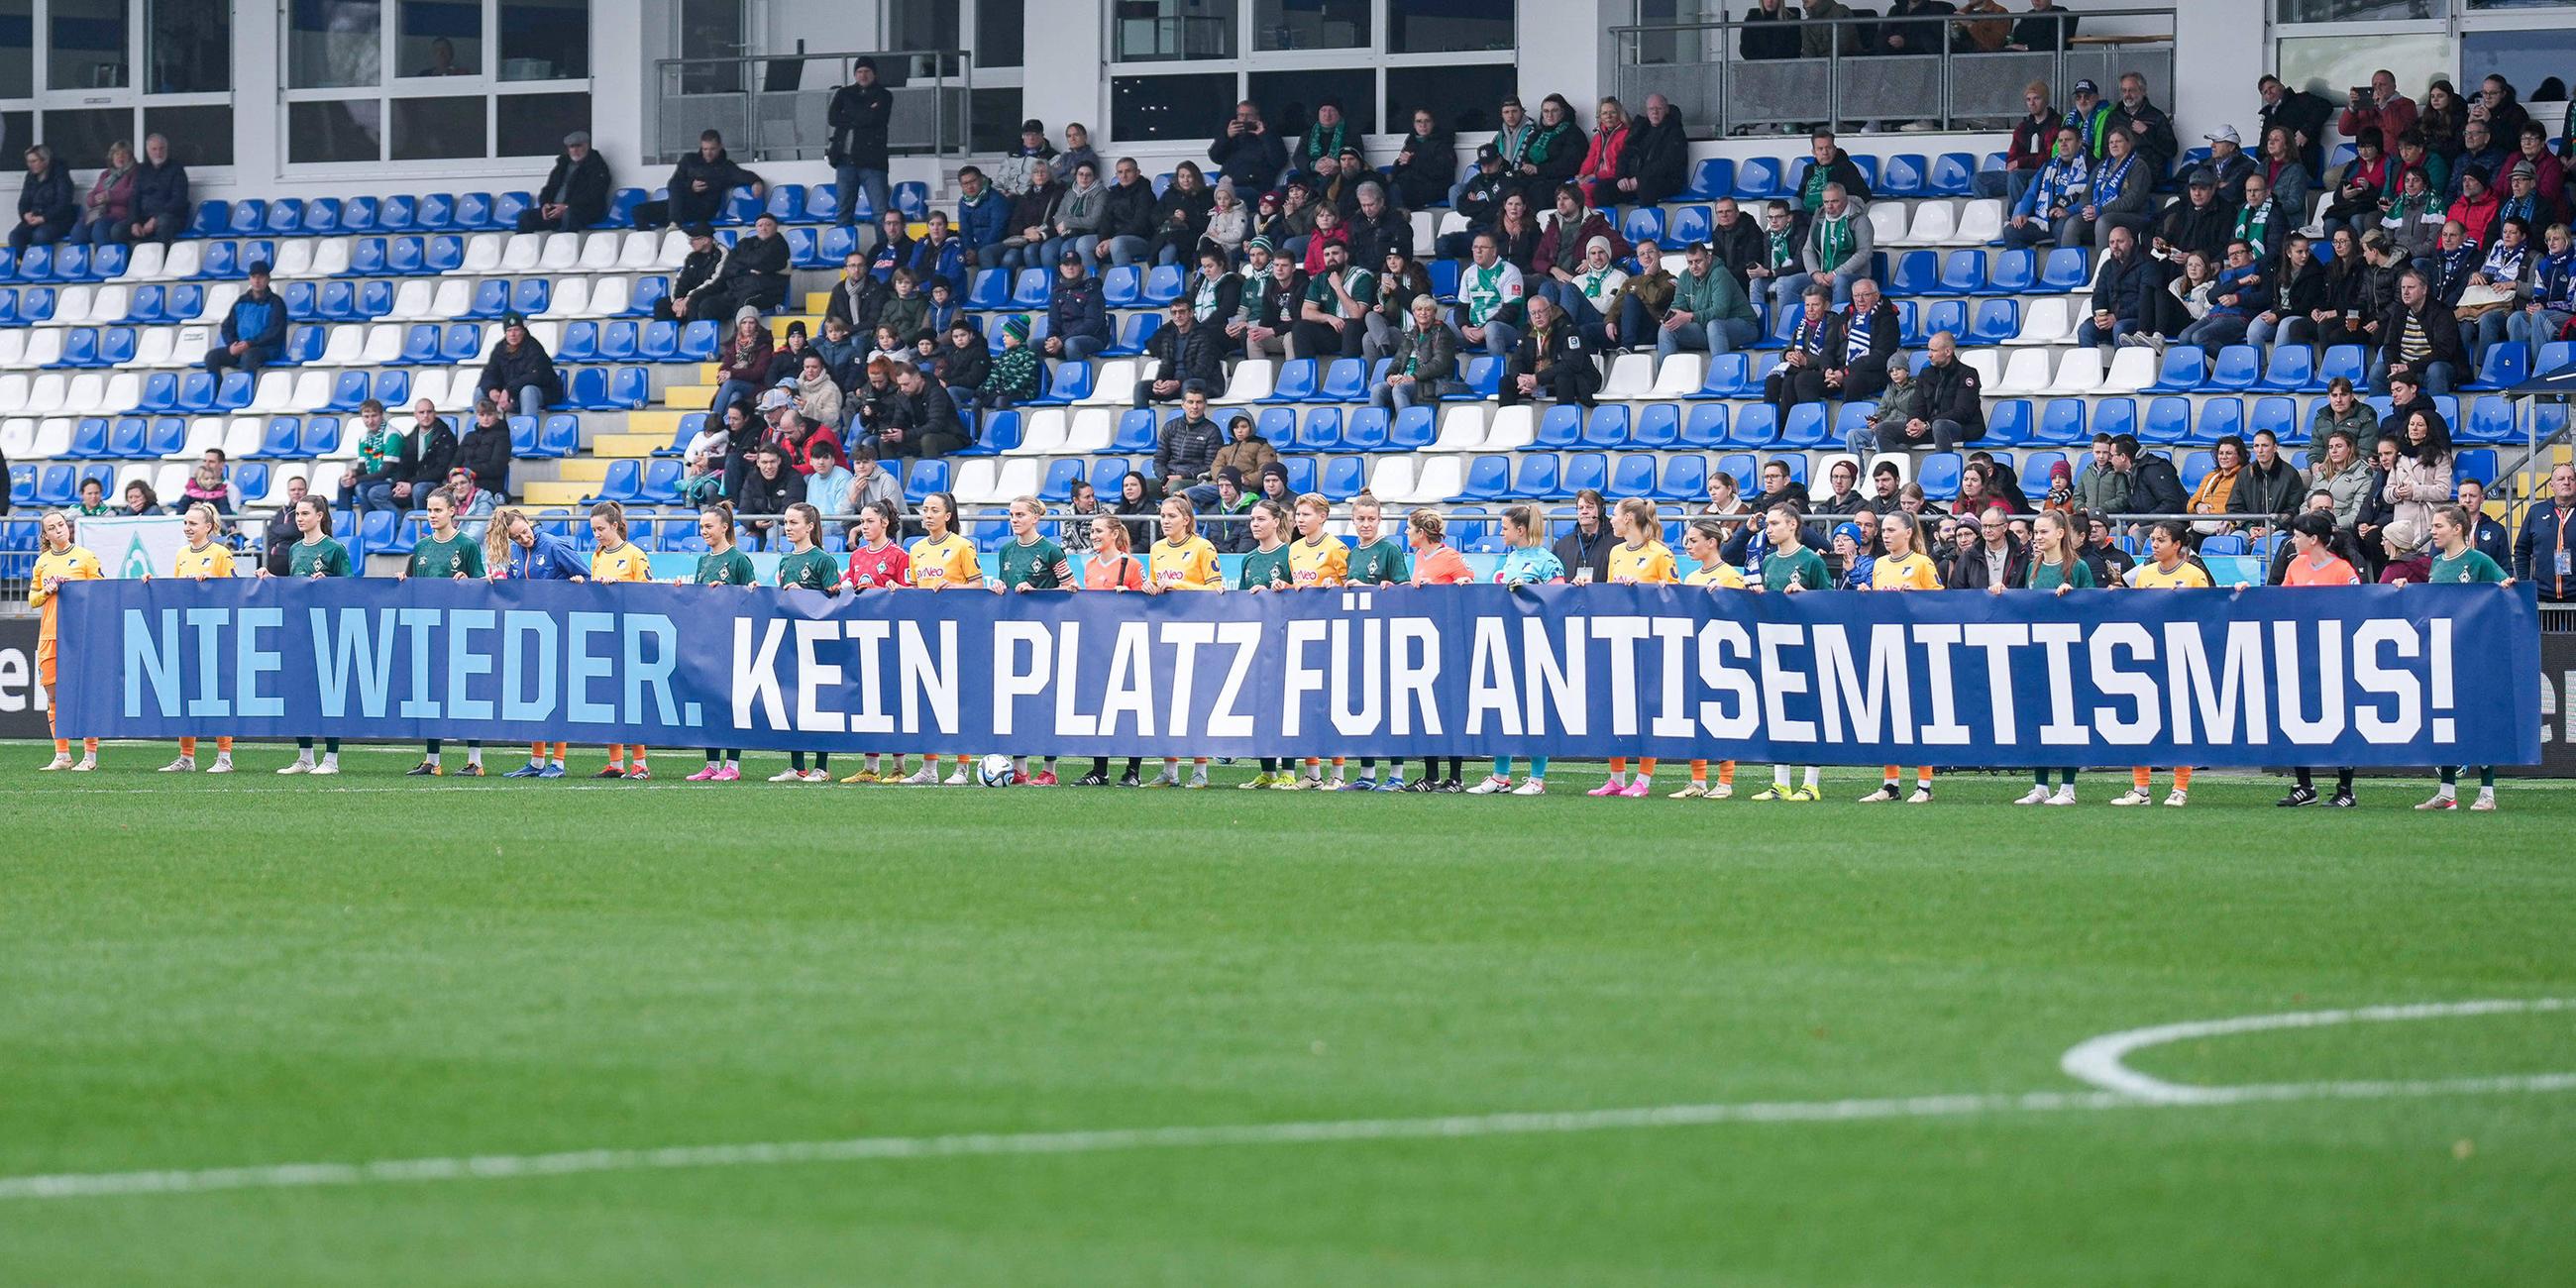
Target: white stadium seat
[1680,376]
[294,259]
[2049,319]
[242,435]
[383,347]
[598,253]
[46,396]
[521,255]
[675,250]
[562,252]
[53,437]
[13,344]
[2027,373]
[1113,383]
[1440,478]
[183,261]
[1462,429]
[145,263]
[2131,370]
[312,392]
[1041,432]
[1253,380]
[977,481]
[87,395]
[205,433]
[571,298]
[482,254]
[610,296]
[156,346]
[1631,376]
[275,393]
[2078,373]
[415,300]
[331,258]
[18,438]
[641,252]
[1887,223]
[1392,476]
[1979,223]
[44,348]
[124,389]
[1512,427]
[1092,429]
[344,344]
[72,305]
[454,297]
[1934,222]
[1019,477]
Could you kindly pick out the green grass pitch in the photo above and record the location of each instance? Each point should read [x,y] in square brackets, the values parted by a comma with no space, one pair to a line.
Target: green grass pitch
[206,973]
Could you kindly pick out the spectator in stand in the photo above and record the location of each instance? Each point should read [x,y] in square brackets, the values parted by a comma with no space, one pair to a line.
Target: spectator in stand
[1479,201]
[2089,115]
[2506,269]
[1900,405]
[2415,159]
[1247,152]
[2343,474]
[2197,221]
[2406,397]
[921,420]
[1078,151]
[1953,406]
[1584,551]
[2155,486]
[1079,216]
[2485,534]
[254,329]
[1188,355]
[940,255]
[1816,39]
[2034,144]
[1213,294]
[2302,114]
[963,364]
[1341,188]
[2102,486]
[1828,166]
[519,373]
[485,449]
[1490,301]
[281,534]
[1338,307]
[2420,338]
[1757,42]
[1182,215]
[1562,248]
[1708,312]
[2048,27]
[2413,222]
[2379,109]
[2551,301]
[1247,452]
[1426,163]
[742,360]
[1600,168]
[2147,126]
[2475,207]
[2286,176]
[1856,370]
[2357,190]
[2302,300]
[2498,106]
[2123,288]
[2421,478]
[575,193]
[1593,295]
[1800,375]
[2228,162]
[2122,186]
[1555,149]
[1999,560]
[2377,512]
[384,462]
[906,312]
[696,270]
[1836,250]
[1425,362]
[2548,179]
[109,209]
[2442,119]
[2262,222]
[1516,234]
[1077,321]
[1737,242]
[754,275]
[2343,411]
[769,489]
[1267,321]
[858,116]
[1018,169]
[1228,226]
[1127,221]
[1328,230]
[1185,456]
[1636,315]
[858,297]
[893,248]
[983,218]
[46,210]
[1319,153]
[161,205]
[1032,219]
[1552,361]
[2545,551]
[2046,206]
[1898,38]
[2480,152]
[1400,279]
[2268,484]
[2243,291]
[700,184]
[817,394]
[433,452]
[1377,227]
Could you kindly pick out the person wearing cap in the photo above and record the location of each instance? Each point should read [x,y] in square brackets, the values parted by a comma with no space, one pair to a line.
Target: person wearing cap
[254,329]
[1017,373]
[2228,163]
[754,275]
[1591,297]
[1426,163]
[575,194]
[2195,221]
[2302,114]
[1187,354]
[858,116]
[1018,167]
[1245,150]
[2477,207]
[697,269]
[1564,246]
[1709,313]
[1077,320]
[1319,152]
[1479,201]
[2089,115]
[2526,197]
[1552,361]
[2146,124]
[700,184]
[519,373]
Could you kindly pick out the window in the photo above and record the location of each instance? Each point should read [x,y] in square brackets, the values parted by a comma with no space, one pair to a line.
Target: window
[17,127]
[439,129]
[1464,99]
[534,125]
[997,119]
[922,24]
[199,136]
[341,130]
[1001,32]
[1144,108]
[545,40]
[85,44]
[2524,58]
[2338,62]
[188,47]
[1147,30]
[333,44]
[438,38]
[80,137]
[1310,24]
[17,53]
[1288,101]
[2352,10]
[1445,26]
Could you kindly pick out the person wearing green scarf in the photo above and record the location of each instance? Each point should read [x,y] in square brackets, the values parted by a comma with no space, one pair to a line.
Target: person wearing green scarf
[1837,250]
[1319,153]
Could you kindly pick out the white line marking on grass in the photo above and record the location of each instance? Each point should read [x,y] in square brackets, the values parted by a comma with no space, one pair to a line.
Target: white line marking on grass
[2096,1060]
[2102,1061]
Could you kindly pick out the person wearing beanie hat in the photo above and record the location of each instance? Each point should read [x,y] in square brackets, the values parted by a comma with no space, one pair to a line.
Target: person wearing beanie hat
[858,116]
[696,270]
[519,373]
[1016,373]
[1319,152]
[253,333]
[576,191]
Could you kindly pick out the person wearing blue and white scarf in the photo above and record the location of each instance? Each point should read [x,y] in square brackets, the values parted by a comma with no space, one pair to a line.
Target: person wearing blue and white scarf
[2508,266]
[2050,203]
[2553,294]
[2121,191]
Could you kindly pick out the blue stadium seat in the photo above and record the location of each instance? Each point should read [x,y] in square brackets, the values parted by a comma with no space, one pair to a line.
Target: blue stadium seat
[1729,376]
[2194,467]
[2185,370]
[2292,367]
[630,389]
[1607,426]
[71,263]
[1711,179]
[393,388]
[2238,367]
[1537,476]
[212,218]
[530,296]
[2115,416]
[1342,477]
[2168,421]
[2279,415]
[1346,380]
[626,341]
[407,256]
[1644,223]
[1915,272]
[2504,365]
[2016,272]
[1484,376]
[2067,269]
[2007,424]
[1757,425]
[249,214]
[434,212]
[1489,478]
[989,290]
[80,348]
[623,484]
[165,436]
[285,218]
[1633,475]
[1939,475]
[1071,382]
[54,488]
[278,439]
[320,437]
[580,343]
[2476,463]
[523,438]
[1944,315]
[1122,288]
[1365,429]
[375,299]
[196,393]
[1758,179]
[1658,427]
[1587,470]
[420,344]
[2218,418]
[2491,420]
[360,214]
[366,258]
[107,261]
[1705,427]
[473,213]
[1061,473]
[559,435]
[1031,290]
[2345,362]
[1296,382]
[1742,467]
[90,439]
[1690,224]
[1163,285]
[698,341]
[1805,427]
[1560,427]
[1321,431]
[1963,272]
[1301,472]
[1901,176]
[1139,328]
[1997,321]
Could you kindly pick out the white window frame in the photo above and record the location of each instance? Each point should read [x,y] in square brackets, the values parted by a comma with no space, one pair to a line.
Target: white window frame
[484,84]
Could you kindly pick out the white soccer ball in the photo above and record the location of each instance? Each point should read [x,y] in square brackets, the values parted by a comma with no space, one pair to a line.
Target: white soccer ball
[995,771]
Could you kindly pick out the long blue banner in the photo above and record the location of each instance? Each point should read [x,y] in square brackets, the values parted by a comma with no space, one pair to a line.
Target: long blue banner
[2367,676]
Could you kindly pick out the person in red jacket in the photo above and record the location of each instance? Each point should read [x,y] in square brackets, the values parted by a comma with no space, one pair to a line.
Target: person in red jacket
[1601,161]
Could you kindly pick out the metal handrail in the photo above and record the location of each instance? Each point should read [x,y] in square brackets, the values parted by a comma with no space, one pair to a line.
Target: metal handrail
[947,74]
[1632,38]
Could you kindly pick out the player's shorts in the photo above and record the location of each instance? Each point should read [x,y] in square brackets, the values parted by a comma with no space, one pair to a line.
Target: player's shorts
[45,663]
